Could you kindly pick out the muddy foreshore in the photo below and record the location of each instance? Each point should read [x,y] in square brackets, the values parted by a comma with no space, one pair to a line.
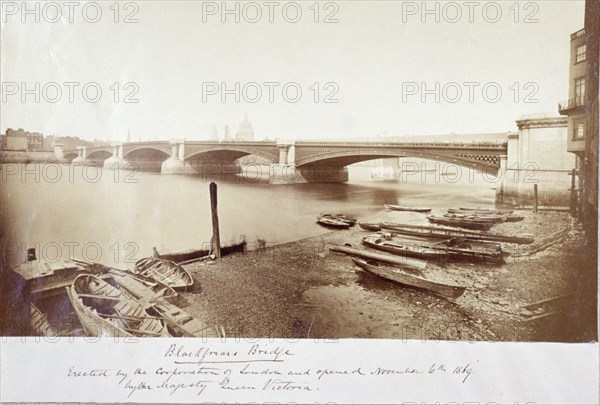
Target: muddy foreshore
[303,290]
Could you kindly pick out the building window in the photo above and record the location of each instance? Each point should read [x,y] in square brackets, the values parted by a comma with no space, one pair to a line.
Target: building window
[580,91]
[579,131]
[580,53]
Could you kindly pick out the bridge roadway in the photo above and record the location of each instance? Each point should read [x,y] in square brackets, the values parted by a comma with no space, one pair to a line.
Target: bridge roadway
[303,161]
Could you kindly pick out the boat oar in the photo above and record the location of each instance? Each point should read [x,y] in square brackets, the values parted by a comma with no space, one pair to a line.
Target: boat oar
[82,262]
[197,259]
[131,318]
[141,332]
[102,297]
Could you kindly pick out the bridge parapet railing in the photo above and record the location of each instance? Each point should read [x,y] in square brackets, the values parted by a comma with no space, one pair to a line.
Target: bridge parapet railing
[499,144]
[484,145]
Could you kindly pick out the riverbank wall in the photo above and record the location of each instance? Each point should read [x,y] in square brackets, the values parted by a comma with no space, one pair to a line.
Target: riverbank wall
[537,156]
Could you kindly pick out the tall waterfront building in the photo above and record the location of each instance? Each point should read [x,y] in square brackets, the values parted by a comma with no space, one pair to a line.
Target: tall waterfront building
[574,106]
[589,204]
[581,109]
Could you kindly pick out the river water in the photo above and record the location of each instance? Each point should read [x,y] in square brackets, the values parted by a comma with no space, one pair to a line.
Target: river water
[116,217]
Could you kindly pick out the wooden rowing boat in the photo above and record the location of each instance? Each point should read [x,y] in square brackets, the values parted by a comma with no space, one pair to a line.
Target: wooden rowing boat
[105,310]
[370,226]
[180,257]
[477,217]
[39,322]
[460,249]
[448,233]
[402,248]
[479,211]
[341,217]
[456,249]
[402,261]
[461,223]
[164,271]
[485,210]
[394,207]
[165,305]
[333,223]
[502,216]
[451,291]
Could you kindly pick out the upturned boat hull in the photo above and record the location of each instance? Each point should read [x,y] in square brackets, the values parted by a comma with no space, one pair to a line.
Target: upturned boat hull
[401,208]
[340,217]
[333,223]
[370,226]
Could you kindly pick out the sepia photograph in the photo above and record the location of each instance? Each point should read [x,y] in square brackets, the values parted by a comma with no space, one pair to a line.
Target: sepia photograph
[272,190]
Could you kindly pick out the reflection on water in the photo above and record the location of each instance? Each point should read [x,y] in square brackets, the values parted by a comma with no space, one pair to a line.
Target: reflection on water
[117,217]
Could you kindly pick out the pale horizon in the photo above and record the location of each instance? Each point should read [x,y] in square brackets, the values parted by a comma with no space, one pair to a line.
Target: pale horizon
[369,54]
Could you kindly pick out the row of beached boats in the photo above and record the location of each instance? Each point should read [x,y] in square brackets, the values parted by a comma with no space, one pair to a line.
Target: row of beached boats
[105,307]
[399,269]
[474,218]
[439,250]
[409,248]
[438,232]
[470,218]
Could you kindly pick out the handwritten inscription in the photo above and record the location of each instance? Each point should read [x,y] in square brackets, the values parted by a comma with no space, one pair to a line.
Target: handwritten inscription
[258,367]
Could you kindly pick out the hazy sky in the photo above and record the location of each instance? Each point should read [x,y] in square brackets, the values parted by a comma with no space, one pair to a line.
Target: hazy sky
[376,56]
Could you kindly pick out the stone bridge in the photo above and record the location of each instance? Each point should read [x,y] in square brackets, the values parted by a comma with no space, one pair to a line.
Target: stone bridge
[304,161]
[293,162]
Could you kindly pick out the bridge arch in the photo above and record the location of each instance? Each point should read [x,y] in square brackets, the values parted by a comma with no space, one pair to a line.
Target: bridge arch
[99,155]
[147,158]
[70,156]
[485,163]
[146,151]
[230,153]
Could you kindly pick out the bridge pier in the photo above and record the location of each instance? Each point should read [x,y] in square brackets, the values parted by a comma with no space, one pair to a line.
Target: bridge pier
[116,161]
[176,163]
[81,159]
[222,169]
[291,174]
[59,152]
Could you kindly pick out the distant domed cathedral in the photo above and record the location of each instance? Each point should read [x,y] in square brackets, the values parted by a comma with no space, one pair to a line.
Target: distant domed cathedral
[245,131]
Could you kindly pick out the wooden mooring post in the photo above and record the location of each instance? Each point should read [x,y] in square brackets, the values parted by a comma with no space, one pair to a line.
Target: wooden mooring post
[535,198]
[573,203]
[216,238]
